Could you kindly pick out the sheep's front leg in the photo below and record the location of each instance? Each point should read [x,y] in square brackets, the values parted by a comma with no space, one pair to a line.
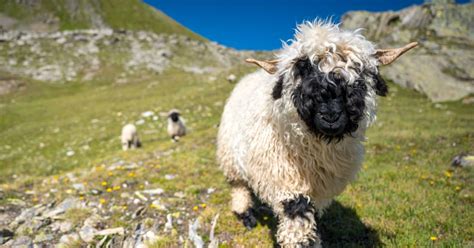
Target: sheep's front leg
[297,224]
[242,205]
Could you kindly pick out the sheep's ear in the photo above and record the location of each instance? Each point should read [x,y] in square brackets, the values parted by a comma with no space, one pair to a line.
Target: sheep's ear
[387,56]
[269,66]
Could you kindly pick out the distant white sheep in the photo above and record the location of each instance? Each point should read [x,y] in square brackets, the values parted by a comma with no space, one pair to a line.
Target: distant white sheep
[129,137]
[231,78]
[176,125]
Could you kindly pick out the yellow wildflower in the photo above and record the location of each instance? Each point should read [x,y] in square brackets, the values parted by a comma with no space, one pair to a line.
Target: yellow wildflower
[102,201]
[104,183]
[195,208]
[203,205]
[448,174]
[458,188]
[109,190]
[176,215]
[434,238]
[116,187]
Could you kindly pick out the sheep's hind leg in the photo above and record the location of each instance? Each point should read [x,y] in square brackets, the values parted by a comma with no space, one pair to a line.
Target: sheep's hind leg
[297,224]
[242,205]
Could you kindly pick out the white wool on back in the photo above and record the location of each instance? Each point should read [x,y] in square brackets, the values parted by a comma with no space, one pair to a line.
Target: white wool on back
[129,131]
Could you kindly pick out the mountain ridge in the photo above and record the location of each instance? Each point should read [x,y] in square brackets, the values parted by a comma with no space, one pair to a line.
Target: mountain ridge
[61,15]
[441,66]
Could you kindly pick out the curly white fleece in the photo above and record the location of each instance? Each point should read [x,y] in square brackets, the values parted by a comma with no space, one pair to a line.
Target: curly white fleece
[264,145]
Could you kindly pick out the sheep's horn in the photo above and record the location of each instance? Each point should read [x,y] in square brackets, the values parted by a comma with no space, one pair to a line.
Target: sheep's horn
[268,65]
[387,56]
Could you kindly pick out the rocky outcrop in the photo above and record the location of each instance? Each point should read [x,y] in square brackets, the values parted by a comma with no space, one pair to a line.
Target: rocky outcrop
[441,67]
[53,16]
[82,55]
[10,85]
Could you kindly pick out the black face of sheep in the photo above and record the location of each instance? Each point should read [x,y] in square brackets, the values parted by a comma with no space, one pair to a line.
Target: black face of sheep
[174,116]
[329,105]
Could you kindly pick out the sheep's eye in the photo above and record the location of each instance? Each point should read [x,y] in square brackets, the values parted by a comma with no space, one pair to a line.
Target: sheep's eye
[302,68]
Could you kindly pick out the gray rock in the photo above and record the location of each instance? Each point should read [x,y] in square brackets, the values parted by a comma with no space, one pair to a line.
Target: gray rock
[111,231]
[68,239]
[27,215]
[42,237]
[157,191]
[22,242]
[441,67]
[8,86]
[65,226]
[463,160]
[150,237]
[169,223]
[93,221]
[62,207]
[87,233]
[79,187]
[193,234]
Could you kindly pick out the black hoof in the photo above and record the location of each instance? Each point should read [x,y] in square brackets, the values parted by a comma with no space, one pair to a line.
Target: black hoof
[298,207]
[248,219]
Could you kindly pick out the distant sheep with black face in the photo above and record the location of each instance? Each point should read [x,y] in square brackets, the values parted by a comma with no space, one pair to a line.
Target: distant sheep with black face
[231,78]
[130,138]
[176,125]
[293,133]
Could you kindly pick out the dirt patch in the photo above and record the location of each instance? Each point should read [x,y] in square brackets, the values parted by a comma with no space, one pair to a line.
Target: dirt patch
[10,85]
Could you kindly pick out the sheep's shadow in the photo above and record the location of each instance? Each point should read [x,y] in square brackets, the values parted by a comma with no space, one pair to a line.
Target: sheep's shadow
[340,226]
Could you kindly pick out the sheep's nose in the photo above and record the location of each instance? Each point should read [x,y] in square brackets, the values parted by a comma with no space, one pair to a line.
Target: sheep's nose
[332,116]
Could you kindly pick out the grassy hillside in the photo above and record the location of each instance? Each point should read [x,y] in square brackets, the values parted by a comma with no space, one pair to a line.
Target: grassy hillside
[52,15]
[63,173]
[406,193]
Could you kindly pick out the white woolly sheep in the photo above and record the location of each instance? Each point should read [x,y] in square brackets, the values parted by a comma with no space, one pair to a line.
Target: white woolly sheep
[176,125]
[292,134]
[129,137]
[231,78]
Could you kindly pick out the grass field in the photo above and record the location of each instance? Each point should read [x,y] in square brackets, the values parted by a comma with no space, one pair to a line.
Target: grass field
[406,195]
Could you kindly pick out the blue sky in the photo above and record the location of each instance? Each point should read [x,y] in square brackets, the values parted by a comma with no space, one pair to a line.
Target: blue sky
[261,24]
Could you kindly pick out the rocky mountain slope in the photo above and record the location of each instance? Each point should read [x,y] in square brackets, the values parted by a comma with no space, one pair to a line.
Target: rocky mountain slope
[441,67]
[59,15]
[82,55]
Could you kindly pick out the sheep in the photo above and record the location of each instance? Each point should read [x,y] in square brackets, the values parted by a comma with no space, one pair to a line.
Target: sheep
[231,78]
[176,125]
[130,138]
[292,134]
